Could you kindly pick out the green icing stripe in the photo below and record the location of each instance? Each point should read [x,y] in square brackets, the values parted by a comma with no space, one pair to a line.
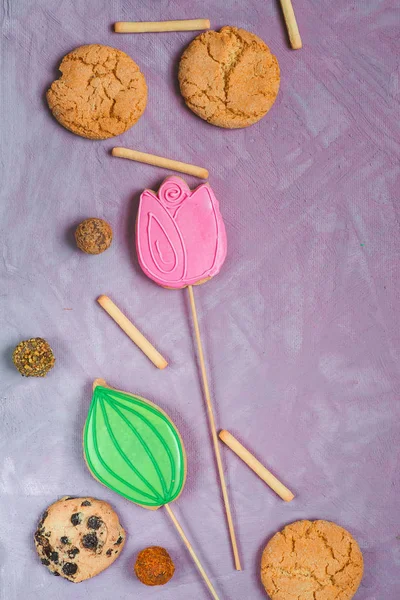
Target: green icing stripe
[159,414]
[112,473]
[139,437]
[123,455]
[164,444]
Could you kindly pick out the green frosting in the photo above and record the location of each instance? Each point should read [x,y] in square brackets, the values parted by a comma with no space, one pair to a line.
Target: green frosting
[133,448]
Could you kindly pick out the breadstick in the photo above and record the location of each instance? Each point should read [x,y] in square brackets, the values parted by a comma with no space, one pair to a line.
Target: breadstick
[159,161]
[256,466]
[160,26]
[291,24]
[132,332]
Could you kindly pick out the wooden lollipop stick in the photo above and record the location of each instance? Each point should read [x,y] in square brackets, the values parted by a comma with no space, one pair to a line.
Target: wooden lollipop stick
[214,430]
[192,552]
[159,26]
[256,466]
[159,161]
[132,332]
[291,24]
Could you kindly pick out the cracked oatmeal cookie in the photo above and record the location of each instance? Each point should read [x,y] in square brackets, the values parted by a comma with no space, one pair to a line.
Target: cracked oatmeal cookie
[229,78]
[312,560]
[101,92]
[78,538]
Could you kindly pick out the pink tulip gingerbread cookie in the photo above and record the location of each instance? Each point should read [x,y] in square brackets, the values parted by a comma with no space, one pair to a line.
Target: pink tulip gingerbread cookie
[180,234]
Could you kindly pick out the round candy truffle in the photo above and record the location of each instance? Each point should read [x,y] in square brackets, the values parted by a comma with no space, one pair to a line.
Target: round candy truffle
[154,566]
[33,358]
[93,236]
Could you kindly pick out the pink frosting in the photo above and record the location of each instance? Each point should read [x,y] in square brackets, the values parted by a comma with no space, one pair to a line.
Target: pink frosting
[180,234]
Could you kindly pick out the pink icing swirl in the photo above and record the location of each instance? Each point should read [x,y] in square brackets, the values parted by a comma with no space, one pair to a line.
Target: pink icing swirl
[173,192]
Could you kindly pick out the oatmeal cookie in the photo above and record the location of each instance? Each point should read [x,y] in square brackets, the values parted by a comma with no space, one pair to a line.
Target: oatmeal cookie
[229,78]
[312,560]
[101,92]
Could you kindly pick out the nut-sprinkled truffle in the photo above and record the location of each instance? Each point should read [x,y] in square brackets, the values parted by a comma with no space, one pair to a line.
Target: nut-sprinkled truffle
[33,358]
[154,566]
[93,236]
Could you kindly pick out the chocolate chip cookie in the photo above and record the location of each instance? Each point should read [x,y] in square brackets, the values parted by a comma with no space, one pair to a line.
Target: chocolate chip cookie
[229,78]
[78,538]
[101,92]
[312,560]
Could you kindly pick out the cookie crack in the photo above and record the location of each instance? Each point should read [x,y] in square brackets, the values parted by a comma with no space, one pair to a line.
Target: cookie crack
[346,564]
[78,59]
[210,55]
[299,572]
[214,98]
[330,548]
[81,58]
[114,71]
[211,97]
[227,69]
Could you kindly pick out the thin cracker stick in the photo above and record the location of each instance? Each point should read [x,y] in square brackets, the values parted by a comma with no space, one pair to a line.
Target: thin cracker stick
[256,466]
[160,26]
[159,161]
[291,24]
[213,429]
[132,332]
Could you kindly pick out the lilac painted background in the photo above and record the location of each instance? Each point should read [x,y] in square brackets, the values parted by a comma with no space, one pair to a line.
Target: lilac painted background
[301,328]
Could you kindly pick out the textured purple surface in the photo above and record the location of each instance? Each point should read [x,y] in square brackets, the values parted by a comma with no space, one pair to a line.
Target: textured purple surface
[301,328]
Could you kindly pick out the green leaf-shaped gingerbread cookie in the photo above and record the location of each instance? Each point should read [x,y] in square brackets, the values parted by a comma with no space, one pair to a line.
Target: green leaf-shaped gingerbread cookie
[132,447]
